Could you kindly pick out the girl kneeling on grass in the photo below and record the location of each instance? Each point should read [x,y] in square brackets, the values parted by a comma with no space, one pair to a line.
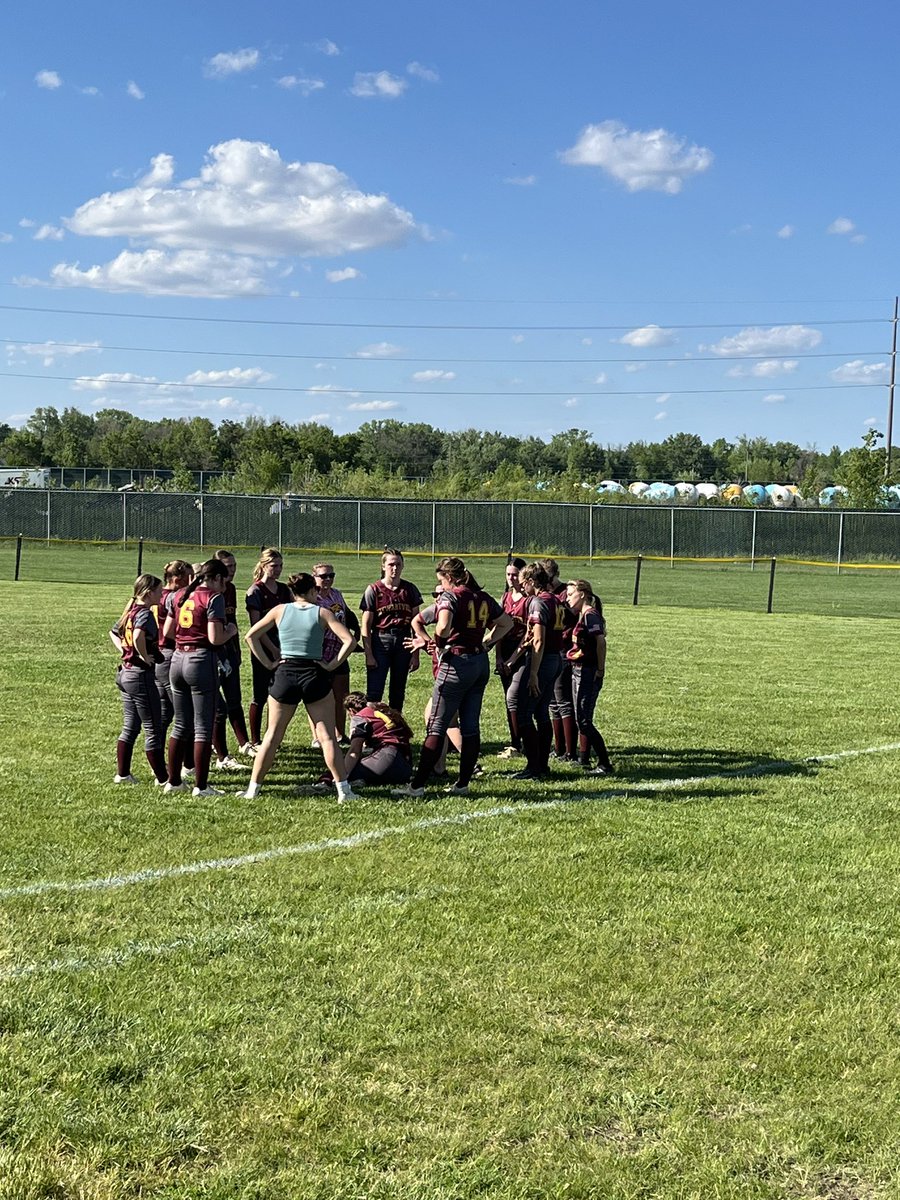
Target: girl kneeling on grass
[136,637]
[588,660]
[300,675]
[386,733]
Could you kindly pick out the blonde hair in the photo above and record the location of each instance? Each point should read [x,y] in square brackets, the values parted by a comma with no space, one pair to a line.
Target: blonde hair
[143,586]
[266,558]
[177,569]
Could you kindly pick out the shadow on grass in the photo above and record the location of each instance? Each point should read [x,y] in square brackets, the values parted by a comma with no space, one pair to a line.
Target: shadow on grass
[637,763]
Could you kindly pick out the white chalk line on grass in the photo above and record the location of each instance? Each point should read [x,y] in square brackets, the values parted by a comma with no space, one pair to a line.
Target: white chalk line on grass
[369,836]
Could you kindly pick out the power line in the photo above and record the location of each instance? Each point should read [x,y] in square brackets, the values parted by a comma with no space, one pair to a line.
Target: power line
[425,327]
[364,359]
[352,393]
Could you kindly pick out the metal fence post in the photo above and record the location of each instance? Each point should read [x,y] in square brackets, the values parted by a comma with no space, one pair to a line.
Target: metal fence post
[433,526]
[672,540]
[637,579]
[591,532]
[280,508]
[512,524]
[771,586]
[840,552]
[753,544]
[49,493]
[358,528]
[124,520]
[18,555]
[199,504]
[140,566]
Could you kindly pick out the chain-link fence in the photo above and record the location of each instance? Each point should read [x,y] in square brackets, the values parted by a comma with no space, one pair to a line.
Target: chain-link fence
[576,530]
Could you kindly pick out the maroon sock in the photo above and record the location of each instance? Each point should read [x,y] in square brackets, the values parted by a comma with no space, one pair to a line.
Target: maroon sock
[570,732]
[584,749]
[239,725]
[219,740]
[512,720]
[431,752]
[255,714]
[157,763]
[187,753]
[123,758]
[530,746]
[202,755]
[468,758]
[545,741]
[559,741]
[176,759]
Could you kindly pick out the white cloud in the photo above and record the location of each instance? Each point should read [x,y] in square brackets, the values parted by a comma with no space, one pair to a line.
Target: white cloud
[766,369]
[49,352]
[647,336]
[654,160]
[633,368]
[434,376]
[778,339]
[319,389]
[134,91]
[162,171]
[319,417]
[572,402]
[237,376]
[664,398]
[786,231]
[49,233]
[602,378]
[374,406]
[378,83]
[587,341]
[160,273]
[343,275]
[50,80]
[841,225]
[89,91]
[422,72]
[774,398]
[99,383]
[379,350]
[27,223]
[301,84]
[248,200]
[227,405]
[660,416]
[327,46]
[518,338]
[231,62]
[858,239]
[870,422]
[5,238]
[324,366]
[521,180]
[859,371]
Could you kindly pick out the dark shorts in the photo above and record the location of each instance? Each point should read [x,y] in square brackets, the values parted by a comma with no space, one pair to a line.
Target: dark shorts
[300,680]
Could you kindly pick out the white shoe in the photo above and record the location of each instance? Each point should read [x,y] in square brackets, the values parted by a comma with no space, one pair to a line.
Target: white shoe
[249,750]
[315,744]
[159,782]
[230,764]
[509,752]
[344,797]
[125,779]
[457,789]
[207,791]
[407,792]
[174,787]
[187,774]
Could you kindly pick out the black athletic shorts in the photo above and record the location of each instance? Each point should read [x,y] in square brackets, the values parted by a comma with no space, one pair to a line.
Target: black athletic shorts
[300,680]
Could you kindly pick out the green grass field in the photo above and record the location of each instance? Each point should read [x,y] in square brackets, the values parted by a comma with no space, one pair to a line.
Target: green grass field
[681,982]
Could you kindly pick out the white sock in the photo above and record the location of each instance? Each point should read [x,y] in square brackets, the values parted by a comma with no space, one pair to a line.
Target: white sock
[251,791]
[343,787]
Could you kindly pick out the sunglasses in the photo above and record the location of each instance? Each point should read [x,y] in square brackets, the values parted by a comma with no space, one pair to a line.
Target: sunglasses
[326,575]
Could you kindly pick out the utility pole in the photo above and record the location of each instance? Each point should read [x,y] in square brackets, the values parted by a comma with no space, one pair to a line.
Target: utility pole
[890,412]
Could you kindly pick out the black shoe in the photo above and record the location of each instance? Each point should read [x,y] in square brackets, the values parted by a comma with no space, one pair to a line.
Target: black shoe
[525,773]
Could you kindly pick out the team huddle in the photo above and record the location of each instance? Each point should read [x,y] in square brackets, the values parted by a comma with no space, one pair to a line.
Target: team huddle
[179,674]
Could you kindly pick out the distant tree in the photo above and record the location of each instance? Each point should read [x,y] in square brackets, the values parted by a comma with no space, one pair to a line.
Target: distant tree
[69,445]
[862,472]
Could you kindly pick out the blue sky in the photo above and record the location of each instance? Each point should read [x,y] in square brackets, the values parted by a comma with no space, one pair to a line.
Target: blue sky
[519,216]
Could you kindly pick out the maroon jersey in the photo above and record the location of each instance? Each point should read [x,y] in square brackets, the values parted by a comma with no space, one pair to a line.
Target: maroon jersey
[378,729]
[192,615]
[334,602]
[544,609]
[589,627]
[139,617]
[160,612]
[518,610]
[394,608]
[472,612]
[261,600]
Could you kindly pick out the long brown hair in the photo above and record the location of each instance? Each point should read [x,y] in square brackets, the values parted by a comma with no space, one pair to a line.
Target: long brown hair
[355,702]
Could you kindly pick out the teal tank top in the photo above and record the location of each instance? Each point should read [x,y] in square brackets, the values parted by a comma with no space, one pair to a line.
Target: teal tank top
[300,633]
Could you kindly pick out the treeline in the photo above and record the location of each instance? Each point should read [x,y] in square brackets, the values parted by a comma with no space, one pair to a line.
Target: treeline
[391,458]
